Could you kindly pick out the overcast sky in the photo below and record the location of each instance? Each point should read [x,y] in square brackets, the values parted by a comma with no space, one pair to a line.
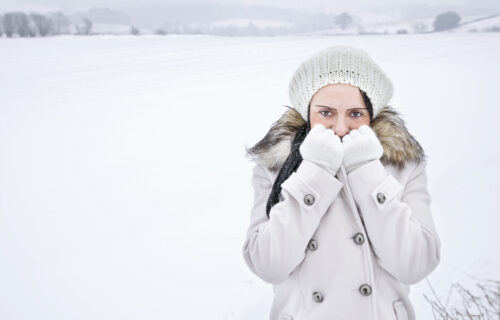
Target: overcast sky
[309,5]
[81,4]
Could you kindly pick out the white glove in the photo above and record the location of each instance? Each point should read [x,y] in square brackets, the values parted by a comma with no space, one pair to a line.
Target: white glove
[324,148]
[360,146]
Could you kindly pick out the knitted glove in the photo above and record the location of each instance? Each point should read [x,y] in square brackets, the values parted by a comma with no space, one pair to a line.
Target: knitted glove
[324,148]
[360,146]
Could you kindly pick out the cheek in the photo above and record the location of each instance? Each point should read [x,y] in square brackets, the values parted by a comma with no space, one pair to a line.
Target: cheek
[315,119]
[357,124]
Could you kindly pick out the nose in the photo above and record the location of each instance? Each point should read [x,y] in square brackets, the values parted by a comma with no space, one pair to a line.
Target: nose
[341,128]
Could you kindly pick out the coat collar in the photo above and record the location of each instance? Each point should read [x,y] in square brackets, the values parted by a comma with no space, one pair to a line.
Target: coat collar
[399,145]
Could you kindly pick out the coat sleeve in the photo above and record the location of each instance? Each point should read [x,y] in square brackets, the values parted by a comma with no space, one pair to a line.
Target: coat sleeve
[402,232]
[274,246]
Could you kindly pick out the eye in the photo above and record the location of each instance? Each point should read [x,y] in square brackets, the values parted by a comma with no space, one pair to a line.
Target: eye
[356,114]
[325,113]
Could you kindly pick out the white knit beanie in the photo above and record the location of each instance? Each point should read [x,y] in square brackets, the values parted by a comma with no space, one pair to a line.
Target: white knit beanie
[339,64]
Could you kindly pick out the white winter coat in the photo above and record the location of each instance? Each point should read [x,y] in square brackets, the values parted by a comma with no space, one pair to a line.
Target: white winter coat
[353,251]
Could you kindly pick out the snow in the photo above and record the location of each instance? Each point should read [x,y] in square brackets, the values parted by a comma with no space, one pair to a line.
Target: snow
[481,25]
[243,23]
[406,24]
[125,193]
[110,28]
[390,24]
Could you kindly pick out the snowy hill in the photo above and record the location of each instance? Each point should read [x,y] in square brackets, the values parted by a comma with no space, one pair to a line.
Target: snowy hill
[252,20]
[479,23]
[258,23]
[109,28]
[390,24]
[125,193]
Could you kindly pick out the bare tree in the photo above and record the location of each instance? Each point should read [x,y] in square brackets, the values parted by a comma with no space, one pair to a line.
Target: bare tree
[24,29]
[10,24]
[85,28]
[134,30]
[343,20]
[419,27]
[17,23]
[447,20]
[42,24]
[59,22]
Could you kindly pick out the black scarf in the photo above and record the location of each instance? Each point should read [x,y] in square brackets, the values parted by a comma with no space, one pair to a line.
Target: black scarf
[290,165]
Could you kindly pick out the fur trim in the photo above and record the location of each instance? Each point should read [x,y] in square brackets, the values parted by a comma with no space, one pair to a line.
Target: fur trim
[399,145]
[275,147]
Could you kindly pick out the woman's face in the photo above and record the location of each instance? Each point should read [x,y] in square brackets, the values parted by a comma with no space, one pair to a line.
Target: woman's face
[339,107]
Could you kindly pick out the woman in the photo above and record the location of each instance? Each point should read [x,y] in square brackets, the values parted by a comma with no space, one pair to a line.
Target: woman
[341,222]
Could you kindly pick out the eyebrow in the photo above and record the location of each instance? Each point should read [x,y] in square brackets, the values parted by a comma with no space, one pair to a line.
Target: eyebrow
[318,105]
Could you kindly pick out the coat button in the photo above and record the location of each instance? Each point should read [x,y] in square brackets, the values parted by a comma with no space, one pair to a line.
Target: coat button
[380,197]
[309,199]
[318,296]
[365,290]
[312,245]
[358,238]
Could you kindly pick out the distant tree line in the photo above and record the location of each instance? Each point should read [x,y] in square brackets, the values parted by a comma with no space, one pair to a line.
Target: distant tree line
[20,24]
[311,23]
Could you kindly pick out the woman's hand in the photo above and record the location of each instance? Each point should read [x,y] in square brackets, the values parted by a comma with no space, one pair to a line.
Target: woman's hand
[360,146]
[324,148]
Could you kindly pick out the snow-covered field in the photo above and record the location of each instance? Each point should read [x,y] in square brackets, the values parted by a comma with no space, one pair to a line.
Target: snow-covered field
[258,23]
[125,193]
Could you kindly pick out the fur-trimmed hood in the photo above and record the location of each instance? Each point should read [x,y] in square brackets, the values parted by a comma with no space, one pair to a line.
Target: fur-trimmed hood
[399,145]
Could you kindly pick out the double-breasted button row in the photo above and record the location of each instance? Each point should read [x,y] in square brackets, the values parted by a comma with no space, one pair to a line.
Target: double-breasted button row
[380,197]
[312,245]
[309,199]
[364,289]
[358,238]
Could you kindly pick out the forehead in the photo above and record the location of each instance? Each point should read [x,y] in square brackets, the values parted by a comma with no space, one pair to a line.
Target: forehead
[338,96]
[338,89]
